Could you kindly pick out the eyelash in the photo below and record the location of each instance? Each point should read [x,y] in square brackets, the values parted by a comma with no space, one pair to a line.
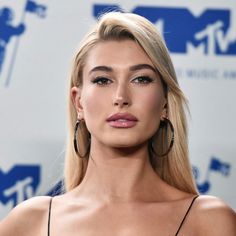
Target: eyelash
[147,79]
[103,81]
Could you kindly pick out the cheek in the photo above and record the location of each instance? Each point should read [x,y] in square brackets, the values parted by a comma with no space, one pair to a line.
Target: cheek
[153,102]
[94,105]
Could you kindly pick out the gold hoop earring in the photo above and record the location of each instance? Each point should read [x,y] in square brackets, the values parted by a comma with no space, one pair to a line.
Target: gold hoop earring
[164,127]
[78,125]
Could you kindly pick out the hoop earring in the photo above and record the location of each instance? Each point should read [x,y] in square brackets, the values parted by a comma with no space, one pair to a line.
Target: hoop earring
[164,125]
[77,126]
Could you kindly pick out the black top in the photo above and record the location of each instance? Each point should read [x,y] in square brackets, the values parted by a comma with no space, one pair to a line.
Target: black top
[181,224]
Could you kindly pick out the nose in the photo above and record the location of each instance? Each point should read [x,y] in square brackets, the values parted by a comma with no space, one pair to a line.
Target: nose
[122,97]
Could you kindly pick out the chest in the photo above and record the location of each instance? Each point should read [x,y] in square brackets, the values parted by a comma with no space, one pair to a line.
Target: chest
[117,221]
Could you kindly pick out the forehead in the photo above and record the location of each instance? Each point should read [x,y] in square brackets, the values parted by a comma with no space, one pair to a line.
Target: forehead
[123,53]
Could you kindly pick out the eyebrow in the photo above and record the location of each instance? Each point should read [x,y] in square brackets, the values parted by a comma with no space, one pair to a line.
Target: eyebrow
[142,66]
[132,68]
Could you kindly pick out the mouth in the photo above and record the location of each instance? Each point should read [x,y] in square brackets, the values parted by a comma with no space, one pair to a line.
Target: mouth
[122,120]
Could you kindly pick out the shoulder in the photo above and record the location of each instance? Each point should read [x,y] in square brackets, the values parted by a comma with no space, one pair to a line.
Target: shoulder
[27,218]
[214,217]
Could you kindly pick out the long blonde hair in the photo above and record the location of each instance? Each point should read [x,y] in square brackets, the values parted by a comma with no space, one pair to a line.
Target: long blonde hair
[174,168]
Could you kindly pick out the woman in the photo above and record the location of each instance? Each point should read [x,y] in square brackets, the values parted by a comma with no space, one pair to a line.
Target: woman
[127,170]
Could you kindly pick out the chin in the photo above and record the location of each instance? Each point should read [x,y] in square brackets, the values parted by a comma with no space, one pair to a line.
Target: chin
[124,141]
[132,144]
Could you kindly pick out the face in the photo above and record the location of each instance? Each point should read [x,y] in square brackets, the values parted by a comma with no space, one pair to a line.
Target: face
[122,98]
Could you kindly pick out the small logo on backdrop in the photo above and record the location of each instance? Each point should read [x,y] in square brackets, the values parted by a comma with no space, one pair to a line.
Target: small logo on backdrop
[19,183]
[10,31]
[215,166]
[211,32]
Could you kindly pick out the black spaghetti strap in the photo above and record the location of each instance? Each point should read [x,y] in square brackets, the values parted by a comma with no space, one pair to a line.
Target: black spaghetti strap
[49,215]
[182,222]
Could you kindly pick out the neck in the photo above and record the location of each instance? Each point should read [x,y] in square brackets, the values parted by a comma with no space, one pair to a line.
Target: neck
[120,175]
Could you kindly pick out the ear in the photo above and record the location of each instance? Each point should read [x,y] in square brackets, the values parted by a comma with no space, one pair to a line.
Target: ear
[164,110]
[76,99]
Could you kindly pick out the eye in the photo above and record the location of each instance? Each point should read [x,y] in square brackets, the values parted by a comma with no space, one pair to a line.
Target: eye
[101,81]
[143,80]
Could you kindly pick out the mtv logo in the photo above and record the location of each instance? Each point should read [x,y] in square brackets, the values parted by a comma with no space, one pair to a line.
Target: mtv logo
[19,183]
[211,32]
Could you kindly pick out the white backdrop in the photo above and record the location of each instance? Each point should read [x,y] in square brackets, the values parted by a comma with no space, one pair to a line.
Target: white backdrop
[37,41]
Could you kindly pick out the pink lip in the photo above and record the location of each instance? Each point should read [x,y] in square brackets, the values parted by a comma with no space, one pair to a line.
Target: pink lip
[122,120]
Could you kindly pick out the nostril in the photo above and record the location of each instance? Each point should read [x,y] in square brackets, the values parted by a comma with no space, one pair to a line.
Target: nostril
[121,101]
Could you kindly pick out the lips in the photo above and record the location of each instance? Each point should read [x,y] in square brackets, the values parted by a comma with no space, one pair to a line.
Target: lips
[122,116]
[122,120]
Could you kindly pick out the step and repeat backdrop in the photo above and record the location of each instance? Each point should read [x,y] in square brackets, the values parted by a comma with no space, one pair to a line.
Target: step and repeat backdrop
[37,42]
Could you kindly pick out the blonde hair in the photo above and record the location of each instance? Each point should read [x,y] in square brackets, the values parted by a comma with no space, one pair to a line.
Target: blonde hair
[174,168]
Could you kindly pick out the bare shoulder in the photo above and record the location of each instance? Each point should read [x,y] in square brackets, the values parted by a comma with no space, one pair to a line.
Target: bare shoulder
[215,217]
[27,218]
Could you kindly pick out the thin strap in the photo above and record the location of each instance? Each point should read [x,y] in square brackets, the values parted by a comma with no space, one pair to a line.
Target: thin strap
[49,215]
[182,222]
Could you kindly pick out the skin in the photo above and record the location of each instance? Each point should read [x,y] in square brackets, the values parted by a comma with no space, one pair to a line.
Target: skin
[120,194]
